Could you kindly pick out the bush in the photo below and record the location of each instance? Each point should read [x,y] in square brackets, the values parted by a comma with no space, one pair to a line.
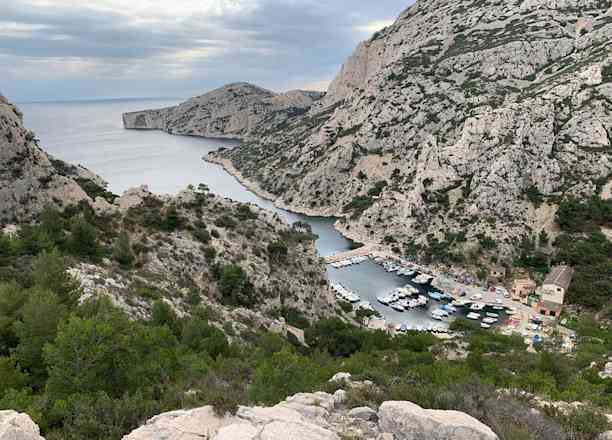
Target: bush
[225,221]
[202,235]
[172,220]
[278,251]
[122,251]
[377,189]
[199,336]
[243,212]
[235,288]
[284,374]
[83,241]
[358,205]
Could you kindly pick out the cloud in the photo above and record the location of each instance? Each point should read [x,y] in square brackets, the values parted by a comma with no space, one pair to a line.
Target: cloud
[53,49]
[374,26]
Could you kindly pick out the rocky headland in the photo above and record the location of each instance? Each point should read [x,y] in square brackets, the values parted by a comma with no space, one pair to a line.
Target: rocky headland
[234,111]
[462,119]
[30,179]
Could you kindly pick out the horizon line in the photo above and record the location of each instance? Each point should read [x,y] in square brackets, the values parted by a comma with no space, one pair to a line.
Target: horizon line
[133,98]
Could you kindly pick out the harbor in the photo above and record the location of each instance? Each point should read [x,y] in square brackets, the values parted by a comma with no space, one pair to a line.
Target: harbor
[169,163]
[409,298]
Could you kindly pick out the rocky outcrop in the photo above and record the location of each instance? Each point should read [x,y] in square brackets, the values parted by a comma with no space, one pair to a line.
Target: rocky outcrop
[408,421]
[462,121]
[234,111]
[30,179]
[18,426]
[315,416]
[211,233]
[180,264]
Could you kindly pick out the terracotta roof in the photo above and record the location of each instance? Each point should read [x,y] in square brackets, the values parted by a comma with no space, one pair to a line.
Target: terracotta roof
[560,276]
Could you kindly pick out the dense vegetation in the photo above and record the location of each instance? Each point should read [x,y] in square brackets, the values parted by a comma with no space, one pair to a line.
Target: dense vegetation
[87,371]
[584,246]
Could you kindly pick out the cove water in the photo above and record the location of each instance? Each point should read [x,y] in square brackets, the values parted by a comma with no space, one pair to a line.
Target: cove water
[91,133]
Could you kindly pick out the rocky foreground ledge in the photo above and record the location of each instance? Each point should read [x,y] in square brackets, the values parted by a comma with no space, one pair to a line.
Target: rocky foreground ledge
[16,426]
[304,416]
[316,416]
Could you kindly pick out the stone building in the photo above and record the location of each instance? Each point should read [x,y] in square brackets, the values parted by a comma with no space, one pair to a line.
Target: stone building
[522,288]
[553,291]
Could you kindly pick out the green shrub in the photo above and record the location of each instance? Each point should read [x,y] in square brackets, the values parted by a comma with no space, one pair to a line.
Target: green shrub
[83,241]
[358,205]
[225,221]
[122,251]
[278,251]
[235,288]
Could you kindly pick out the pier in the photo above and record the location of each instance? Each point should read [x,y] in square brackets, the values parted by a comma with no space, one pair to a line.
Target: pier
[363,251]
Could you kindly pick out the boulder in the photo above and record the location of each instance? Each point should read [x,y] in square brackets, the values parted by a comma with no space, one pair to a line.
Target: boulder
[196,424]
[339,398]
[341,377]
[407,421]
[313,416]
[363,413]
[18,426]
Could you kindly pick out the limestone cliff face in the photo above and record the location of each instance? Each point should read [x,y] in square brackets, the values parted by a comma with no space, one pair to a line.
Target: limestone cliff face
[233,111]
[30,179]
[473,117]
[212,233]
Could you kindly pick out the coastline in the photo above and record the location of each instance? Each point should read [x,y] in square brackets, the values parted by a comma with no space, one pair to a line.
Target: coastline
[256,189]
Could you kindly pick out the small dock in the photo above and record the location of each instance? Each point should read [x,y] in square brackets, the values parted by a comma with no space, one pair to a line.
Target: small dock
[363,251]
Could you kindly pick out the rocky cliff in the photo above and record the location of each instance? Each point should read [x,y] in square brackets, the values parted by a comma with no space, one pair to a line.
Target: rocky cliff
[316,416]
[182,264]
[464,123]
[233,111]
[181,244]
[30,179]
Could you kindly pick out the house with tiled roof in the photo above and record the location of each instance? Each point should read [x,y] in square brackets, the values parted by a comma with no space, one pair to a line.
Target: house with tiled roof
[553,291]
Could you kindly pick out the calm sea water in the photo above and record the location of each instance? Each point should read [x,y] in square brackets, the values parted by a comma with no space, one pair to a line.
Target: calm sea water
[91,133]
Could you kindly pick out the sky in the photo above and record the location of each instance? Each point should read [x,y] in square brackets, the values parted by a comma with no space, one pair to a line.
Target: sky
[88,49]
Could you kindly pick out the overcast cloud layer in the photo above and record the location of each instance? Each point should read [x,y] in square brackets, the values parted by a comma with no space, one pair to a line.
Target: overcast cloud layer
[75,49]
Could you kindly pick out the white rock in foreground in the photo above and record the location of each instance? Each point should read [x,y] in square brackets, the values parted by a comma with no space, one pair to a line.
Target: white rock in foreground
[314,416]
[408,421]
[18,426]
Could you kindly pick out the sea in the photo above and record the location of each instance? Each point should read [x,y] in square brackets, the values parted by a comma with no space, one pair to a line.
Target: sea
[91,133]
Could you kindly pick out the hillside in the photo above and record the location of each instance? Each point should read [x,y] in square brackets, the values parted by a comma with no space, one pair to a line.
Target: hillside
[234,111]
[30,179]
[457,130]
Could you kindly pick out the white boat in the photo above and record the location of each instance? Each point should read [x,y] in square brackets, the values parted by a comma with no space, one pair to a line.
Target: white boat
[510,312]
[411,289]
[473,316]
[351,297]
[492,315]
[483,325]
[398,307]
[476,297]
[385,300]
[423,300]
[422,279]
[458,303]
[477,306]
[365,305]
[490,320]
